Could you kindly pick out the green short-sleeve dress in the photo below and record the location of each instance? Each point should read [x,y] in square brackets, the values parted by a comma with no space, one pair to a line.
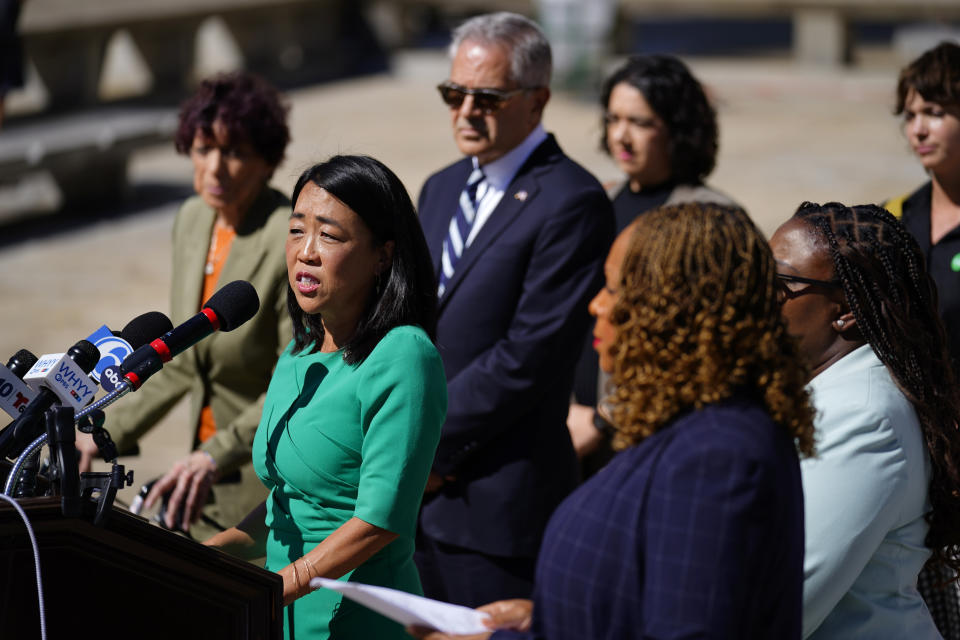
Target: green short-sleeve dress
[337,441]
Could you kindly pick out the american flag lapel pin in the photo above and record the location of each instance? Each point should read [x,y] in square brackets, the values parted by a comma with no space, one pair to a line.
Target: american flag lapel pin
[521,196]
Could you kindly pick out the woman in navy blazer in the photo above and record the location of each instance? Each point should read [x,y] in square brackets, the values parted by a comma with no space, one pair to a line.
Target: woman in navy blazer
[695,529]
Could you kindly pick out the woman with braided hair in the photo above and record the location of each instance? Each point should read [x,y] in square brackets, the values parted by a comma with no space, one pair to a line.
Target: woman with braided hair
[695,528]
[883,490]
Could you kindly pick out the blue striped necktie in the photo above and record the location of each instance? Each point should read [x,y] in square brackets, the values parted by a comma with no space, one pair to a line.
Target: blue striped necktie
[459,230]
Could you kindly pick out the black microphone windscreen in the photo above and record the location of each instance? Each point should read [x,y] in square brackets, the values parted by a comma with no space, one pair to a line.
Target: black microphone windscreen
[146,328]
[85,354]
[21,362]
[234,304]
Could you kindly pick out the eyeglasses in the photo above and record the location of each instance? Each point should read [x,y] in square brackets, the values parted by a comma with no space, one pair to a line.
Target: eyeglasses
[486,100]
[785,293]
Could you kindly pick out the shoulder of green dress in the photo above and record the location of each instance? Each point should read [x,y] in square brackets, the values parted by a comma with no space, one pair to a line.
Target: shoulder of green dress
[407,336]
[288,351]
[407,342]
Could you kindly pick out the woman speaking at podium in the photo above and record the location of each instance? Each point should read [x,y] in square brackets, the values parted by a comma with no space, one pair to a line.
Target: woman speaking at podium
[353,413]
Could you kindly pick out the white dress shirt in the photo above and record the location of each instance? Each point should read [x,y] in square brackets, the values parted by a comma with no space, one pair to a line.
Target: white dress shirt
[498,175]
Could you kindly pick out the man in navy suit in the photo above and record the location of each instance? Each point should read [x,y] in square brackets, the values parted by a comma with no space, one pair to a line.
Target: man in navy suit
[518,233]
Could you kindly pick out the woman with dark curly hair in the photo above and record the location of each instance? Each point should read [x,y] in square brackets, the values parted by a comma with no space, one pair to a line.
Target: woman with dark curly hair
[660,129]
[234,129]
[885,488]
[695,529]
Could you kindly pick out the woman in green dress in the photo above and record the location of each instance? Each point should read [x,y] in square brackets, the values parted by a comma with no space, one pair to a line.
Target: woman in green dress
[353,413]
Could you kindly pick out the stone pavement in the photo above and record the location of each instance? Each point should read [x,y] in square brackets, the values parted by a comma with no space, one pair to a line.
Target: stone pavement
[788,134]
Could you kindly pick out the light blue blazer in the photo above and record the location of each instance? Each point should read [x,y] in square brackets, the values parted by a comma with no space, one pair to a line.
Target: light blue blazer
[865,497]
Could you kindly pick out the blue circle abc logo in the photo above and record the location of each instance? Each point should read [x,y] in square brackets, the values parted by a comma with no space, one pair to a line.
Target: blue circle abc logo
[113,351]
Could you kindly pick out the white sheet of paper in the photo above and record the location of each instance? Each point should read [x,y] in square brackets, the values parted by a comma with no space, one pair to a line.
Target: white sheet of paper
[407,608]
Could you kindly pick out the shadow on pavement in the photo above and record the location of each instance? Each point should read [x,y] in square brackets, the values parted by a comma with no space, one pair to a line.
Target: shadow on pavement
[142,197]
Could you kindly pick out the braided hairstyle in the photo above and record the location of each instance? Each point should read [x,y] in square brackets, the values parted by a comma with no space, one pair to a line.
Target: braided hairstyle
[697,321]
[881,269]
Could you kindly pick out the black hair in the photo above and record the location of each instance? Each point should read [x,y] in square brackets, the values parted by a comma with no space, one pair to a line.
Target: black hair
[885,283]
[679,100]
[408,295]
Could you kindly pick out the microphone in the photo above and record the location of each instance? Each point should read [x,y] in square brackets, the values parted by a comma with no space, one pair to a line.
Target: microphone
[58,376]
[138,332]
[226,310]
[14,394]
[115,346]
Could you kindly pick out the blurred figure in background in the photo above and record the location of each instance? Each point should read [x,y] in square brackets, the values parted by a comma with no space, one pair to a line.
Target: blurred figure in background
[660,129]
[234,129]
[695,528]
[884,489]
[928,98]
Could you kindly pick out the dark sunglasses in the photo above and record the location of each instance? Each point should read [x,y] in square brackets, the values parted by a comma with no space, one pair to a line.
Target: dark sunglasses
[486,100]
[786,293]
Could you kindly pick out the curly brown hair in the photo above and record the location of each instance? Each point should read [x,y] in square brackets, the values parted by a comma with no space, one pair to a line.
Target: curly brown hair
[697,321]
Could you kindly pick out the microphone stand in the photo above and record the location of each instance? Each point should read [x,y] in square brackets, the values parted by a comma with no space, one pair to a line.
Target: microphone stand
[63,459]
[75,489]
[27,487]
[122,389]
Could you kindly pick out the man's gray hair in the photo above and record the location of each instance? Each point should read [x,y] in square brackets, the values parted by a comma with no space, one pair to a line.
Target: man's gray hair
[530,59]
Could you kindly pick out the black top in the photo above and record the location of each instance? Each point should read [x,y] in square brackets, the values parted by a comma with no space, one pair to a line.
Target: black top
[627,204]
[943,263]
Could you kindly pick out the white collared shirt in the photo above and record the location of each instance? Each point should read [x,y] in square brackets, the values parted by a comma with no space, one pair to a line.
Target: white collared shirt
[499,174]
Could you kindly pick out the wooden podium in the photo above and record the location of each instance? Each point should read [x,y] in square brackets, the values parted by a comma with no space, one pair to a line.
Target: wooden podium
[127,579]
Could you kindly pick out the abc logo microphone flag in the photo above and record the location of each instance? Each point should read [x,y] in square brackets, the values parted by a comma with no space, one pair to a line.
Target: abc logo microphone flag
[113,350]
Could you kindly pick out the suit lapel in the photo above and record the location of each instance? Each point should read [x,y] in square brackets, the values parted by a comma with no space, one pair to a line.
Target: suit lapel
[507,211]
[518,194]
[249,246]
[247,251]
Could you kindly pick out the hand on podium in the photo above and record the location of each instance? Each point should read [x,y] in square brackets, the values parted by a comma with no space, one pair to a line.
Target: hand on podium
[188,483]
